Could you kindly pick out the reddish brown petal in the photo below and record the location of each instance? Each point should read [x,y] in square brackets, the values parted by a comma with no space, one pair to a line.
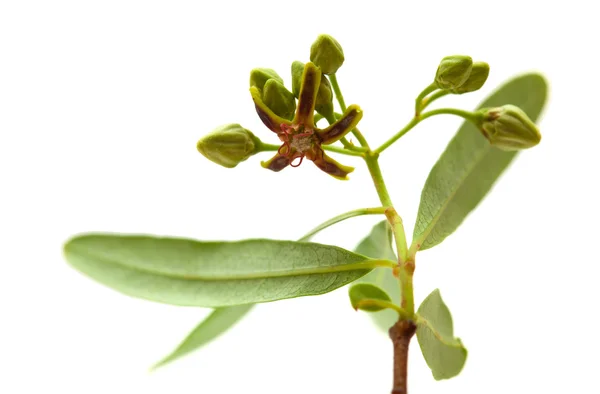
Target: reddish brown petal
[343,126]
[276,163]
[272,121]
[332,167]
[311,78]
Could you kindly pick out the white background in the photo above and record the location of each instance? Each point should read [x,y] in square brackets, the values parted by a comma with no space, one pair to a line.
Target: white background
[101,104]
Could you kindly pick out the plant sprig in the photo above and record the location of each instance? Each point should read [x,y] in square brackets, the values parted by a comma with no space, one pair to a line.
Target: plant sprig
[209,274]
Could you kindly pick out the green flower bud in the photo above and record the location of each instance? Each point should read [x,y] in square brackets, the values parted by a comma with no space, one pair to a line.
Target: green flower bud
[280,100]
[297,70]
[324,102]
[509,128]
[260,76]
[478,76]
[453,71]
[327,54]
[228,145]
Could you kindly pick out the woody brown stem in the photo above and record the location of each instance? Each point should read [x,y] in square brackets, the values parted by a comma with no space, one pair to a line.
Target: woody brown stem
[401,334]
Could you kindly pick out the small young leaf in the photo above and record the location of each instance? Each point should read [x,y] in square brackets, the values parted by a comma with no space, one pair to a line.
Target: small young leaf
[362,296]
[378,245]
[444,354]
[219,321]
[470,166]
[214,274]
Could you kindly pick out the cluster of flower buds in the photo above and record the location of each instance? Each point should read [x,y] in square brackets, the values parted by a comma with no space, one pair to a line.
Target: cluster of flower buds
[273,92]
[299,136]
[458,74]
[507,127]
[292,122]
[291,114]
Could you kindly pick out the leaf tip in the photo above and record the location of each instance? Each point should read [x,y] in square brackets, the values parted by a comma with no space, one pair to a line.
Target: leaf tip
[159,364]
[68,245]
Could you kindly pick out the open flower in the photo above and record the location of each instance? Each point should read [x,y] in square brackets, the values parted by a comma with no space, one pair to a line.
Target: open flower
[300,137]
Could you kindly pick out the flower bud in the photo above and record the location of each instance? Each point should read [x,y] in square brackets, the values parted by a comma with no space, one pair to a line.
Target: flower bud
[228,145]
[280,100]
[478,76]
[297,70]
[324,101]
[327,54]
[509,128]
[453,71]
[260,76]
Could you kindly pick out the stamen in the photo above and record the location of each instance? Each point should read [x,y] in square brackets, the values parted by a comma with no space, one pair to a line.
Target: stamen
[300,162]
[287,129]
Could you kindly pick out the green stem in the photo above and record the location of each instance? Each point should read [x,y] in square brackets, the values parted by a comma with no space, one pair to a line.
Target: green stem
[343,216]
[340,98]
[405,274]
[398,228]
[264,147]
[361,139]
[343,151]
[273,148]
[471,116]
[337,91]
[375,170]
[428,100]
[406,266]
[421,96]
[468,115]
[346,143]
[415,121]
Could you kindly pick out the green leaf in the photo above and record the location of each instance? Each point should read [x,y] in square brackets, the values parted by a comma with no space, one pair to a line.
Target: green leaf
[470,166]
[378,245]
[214,274]
[219,321]
[444,354]
[365,296]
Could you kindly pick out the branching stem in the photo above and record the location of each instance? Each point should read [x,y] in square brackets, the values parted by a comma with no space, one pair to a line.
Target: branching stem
[430,99]
[468,115]
[402,332]
[421,96]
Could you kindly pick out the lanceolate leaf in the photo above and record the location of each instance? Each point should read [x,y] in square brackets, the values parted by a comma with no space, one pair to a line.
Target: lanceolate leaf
[214,274]
[219,321]
[470,166]
[444,354]
[378,245]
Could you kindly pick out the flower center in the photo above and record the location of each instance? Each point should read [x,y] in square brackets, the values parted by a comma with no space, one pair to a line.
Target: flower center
[298,138]
[302,142]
